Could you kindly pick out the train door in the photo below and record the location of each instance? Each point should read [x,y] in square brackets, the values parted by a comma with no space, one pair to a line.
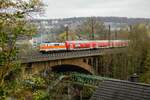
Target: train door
[71,46]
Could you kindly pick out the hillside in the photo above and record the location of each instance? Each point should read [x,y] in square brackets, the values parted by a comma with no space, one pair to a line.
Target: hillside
[58,25]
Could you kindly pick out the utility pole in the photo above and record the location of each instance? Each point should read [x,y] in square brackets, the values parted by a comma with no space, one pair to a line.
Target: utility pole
[130,28]
[130,31]
[109,34]
[116,35]
[41,31]
[92,27]
[67,29]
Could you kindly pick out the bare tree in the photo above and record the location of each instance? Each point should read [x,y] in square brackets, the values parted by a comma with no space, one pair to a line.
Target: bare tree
[91,28]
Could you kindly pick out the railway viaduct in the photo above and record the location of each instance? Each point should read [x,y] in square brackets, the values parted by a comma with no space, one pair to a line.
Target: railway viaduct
[88,61]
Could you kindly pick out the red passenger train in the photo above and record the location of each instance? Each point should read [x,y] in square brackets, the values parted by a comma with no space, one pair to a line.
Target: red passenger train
[82,45]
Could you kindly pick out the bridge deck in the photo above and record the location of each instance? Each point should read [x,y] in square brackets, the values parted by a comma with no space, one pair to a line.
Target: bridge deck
[36,57]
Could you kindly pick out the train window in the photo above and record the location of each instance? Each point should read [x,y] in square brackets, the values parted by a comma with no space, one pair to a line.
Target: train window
[77,45]
[56,44]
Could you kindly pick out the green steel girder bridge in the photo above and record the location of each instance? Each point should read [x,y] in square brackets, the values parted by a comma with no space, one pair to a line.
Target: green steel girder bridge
[106,88]
[112,89]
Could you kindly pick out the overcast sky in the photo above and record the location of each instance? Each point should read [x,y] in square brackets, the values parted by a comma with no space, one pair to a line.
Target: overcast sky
[77,8]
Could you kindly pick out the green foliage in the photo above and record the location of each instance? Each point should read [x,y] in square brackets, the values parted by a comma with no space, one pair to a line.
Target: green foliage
[2,94]
[38,81]
[134,60]
[138,48]
[34,83]
[87,92]
[41,95]
[145,76]
[13,25]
